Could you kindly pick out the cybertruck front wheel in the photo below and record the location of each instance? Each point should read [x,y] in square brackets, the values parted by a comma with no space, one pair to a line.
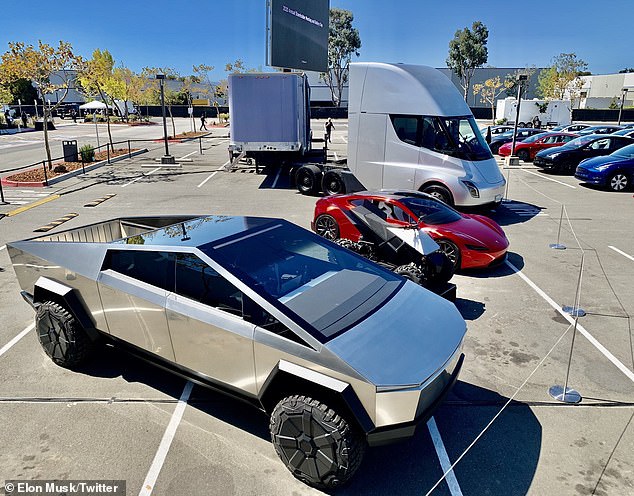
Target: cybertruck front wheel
[61,336]
[315,442]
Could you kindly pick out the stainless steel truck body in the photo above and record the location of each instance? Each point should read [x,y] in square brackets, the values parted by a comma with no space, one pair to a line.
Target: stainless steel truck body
[342,352]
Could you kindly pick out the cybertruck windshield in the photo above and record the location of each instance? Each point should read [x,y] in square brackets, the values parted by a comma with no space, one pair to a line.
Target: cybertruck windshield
[305,276]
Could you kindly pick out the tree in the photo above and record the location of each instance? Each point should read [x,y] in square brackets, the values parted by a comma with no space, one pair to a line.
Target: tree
[467,51]
[23,90]
[343,42]
[171,95]
[562,77]
[124,85]
[511,80]
[489,91]
[202,72]
[96,77]
[51,70]
[626,70]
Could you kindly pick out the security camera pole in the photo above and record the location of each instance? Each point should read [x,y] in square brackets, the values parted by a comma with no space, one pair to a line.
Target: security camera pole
[167,158]
[520,80]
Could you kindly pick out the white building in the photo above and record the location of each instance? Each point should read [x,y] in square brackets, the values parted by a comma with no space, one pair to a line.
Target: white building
[603,90]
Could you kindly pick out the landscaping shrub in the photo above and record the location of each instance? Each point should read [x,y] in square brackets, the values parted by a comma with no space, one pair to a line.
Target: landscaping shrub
[87,153]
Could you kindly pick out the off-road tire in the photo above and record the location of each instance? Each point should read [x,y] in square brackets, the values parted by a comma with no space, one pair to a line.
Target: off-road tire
[366,250]
[410,271]
[61,336]
[319,446]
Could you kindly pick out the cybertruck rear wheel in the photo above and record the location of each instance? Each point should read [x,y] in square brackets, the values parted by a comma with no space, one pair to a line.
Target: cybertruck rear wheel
[61,336]
[315,442]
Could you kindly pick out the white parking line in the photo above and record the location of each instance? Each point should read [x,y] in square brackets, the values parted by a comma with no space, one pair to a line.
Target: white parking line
[345,140]
[214,173]
[141,176]
[549,178]
[615,361]
[445,464]
[8,346]
[277,177]
[166,442]
[622,253]
[185,156]
[336,157]
[3,247]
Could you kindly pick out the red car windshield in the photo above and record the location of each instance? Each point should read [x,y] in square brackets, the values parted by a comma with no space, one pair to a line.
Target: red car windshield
[430,211]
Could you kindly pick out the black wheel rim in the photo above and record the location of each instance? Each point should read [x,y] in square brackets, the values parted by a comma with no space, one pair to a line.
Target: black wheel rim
[618,182]
[309,445]
[53,336]
[450,250]
[439,195]
[327,227]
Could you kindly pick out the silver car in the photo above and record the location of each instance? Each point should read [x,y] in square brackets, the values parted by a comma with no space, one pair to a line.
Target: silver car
[341,352]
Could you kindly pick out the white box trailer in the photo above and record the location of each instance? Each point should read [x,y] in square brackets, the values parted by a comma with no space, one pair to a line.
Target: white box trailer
[269,115]
[410,129]
[557,112]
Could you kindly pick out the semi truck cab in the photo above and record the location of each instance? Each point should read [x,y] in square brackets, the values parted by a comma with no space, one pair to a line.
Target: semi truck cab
[409,128]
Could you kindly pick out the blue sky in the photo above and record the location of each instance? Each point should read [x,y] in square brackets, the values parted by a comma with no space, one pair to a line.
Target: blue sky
[180,34]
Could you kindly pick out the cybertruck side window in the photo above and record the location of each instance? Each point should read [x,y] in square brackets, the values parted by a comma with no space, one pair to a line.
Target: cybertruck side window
[152,267]
[198,281]
[255,314]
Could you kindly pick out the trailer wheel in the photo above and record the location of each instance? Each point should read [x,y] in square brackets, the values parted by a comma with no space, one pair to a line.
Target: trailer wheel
[333,184]
[317,444]
[308,179]
[61,336]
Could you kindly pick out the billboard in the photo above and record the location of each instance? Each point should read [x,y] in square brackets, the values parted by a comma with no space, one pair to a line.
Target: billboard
[297,34]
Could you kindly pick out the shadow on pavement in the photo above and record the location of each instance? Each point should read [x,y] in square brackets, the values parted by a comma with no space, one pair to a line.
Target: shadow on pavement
[501,270]
[514,212]
[470,309]
[509,450]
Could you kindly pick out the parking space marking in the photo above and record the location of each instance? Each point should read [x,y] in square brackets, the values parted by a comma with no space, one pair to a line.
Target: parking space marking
[549,178]
[10,344]
[214,173]
[166,442]
[140,177]
[445,463]
[277,177]
[345,140]
[3,247]
[185,156]
[622,253]
[615,361]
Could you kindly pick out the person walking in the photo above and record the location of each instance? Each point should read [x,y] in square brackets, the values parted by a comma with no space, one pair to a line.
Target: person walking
[24,118]
[329,127]
[203,118]
[73,114]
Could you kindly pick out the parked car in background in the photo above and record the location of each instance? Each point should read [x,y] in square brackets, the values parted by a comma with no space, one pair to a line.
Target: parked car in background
[528,148]
[628,132]
[566,158]
[469,241]
[495,130]
[507,137]
[614,171]
[601,129]
[570,128]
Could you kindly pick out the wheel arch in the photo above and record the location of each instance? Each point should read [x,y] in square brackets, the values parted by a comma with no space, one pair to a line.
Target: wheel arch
[437,182]
[48,290]
[287,379]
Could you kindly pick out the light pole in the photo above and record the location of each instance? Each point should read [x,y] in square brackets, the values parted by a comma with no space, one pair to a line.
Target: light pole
[520,79]
[623,96]
[167,158]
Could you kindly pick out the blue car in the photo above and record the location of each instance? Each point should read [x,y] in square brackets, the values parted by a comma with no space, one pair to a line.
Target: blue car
[614,171]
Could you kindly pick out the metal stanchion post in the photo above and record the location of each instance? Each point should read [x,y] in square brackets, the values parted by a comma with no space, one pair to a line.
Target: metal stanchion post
[564,393]
[129,150]
[108,152]
[2,195]
[45,174]
[557,245]
[200,143]
[83,168]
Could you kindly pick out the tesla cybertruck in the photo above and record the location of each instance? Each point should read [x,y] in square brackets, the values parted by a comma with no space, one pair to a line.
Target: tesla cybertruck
[341,352]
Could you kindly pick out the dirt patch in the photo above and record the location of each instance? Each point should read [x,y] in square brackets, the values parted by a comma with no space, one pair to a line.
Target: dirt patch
[59,168]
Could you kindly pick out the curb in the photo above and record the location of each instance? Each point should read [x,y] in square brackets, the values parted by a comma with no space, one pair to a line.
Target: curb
[40,184]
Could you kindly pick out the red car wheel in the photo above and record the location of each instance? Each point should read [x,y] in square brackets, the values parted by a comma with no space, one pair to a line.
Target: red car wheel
[451,251]
[327,227]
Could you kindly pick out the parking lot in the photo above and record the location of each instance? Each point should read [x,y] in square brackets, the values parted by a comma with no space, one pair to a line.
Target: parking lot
[120,418]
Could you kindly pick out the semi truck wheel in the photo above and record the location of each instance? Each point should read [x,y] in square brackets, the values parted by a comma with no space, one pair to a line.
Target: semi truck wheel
[439,192]
[333,184]
[315,442]
[61,336]
[308,179]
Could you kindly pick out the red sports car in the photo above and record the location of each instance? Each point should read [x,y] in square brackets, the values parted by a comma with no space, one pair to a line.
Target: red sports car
[528,148]
[469,241]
